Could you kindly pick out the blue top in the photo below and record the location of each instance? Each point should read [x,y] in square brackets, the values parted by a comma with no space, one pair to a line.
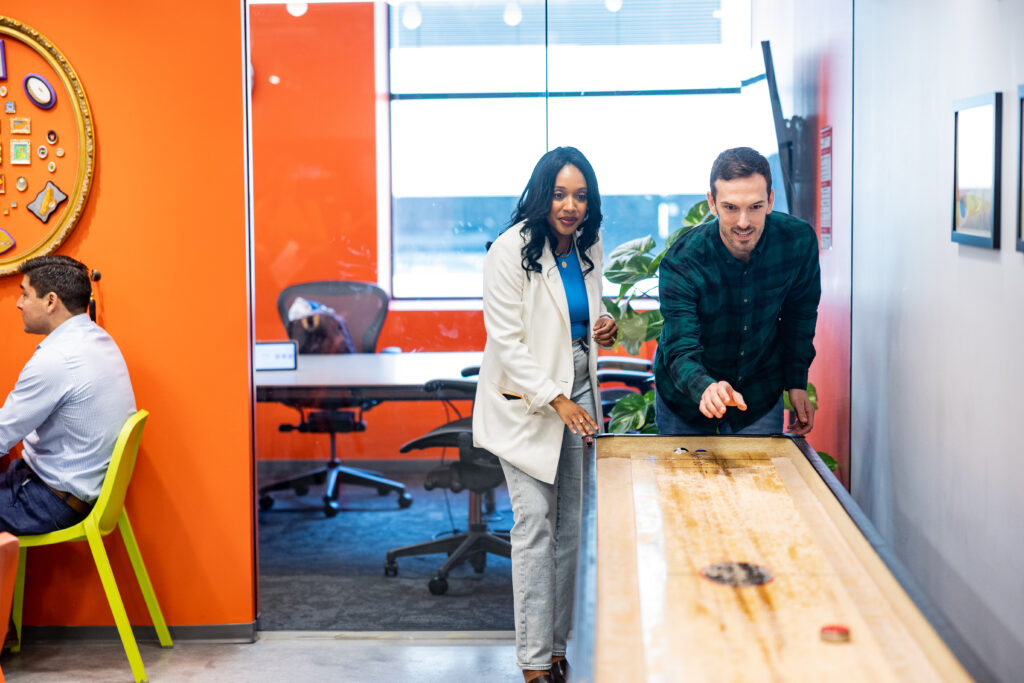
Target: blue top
[575,291]
[69,404]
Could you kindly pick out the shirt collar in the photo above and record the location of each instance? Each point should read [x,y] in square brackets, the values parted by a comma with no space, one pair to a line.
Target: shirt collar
[73,323]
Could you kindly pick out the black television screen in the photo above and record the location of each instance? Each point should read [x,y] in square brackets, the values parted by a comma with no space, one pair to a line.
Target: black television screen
[783,134]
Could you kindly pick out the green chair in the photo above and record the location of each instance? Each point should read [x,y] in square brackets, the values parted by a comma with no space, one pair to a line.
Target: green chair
[107,513]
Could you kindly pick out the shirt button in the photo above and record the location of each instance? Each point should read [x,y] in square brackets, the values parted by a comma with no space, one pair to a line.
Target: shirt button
[742,352]
[744,327]
[746,300]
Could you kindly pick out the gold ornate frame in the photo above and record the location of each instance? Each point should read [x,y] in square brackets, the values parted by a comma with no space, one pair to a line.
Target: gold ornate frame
[86,142]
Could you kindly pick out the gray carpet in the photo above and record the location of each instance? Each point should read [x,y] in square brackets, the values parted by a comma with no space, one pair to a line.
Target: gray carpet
[327,574]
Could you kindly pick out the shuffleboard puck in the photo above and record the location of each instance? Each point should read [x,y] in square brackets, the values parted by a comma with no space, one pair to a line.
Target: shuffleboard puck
[835,633]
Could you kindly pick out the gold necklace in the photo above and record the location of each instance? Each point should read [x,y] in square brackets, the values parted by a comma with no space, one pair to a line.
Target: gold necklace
[563,259]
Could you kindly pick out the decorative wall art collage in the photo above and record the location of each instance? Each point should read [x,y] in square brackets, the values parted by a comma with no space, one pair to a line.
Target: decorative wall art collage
[46,146]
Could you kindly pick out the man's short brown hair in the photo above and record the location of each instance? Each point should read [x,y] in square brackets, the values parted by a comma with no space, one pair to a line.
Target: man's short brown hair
[62,275]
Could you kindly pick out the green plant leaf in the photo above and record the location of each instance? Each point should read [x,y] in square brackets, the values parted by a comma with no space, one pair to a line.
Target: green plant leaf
[698,214]
[633,331]
[628,414]
[627,250]
[655,320]
[629,271]
[829,461]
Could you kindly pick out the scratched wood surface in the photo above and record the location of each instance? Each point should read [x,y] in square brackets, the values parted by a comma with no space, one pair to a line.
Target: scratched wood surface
[663,516]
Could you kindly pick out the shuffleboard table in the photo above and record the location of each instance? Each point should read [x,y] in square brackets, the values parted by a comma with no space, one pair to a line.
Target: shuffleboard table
[740,559]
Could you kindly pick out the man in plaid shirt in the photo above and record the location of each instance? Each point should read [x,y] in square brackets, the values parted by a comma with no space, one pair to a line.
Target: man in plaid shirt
[739,295]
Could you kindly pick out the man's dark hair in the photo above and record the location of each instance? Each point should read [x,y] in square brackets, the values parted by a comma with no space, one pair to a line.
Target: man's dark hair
[739,162]
[535,204]
[62,275]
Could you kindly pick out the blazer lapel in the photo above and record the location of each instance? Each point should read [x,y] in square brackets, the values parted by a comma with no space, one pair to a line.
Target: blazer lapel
[553,281]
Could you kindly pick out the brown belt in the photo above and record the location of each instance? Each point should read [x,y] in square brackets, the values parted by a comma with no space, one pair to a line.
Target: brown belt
[76,504]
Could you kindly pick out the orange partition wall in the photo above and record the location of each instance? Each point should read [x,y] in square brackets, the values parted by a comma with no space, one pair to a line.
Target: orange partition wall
[166,226]
[315,206]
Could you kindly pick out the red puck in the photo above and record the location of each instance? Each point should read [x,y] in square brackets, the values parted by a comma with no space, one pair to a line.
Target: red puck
[835,633]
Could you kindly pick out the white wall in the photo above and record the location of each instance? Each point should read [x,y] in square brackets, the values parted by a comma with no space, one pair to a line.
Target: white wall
[938,331]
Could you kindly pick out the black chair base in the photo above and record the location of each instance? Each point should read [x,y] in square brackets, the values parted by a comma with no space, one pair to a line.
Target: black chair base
[471,546]
[335,474]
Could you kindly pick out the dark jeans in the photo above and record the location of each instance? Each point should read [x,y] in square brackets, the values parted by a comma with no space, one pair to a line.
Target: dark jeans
[28,506]
[669,423]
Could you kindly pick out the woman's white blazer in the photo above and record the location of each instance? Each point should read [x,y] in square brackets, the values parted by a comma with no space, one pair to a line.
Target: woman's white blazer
[528,355]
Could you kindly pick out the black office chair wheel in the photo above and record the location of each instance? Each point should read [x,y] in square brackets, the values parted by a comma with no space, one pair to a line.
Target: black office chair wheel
[438,586]
[331,507]
[404,500]
[301,490]
[390,569]
[478,561]
[266,502]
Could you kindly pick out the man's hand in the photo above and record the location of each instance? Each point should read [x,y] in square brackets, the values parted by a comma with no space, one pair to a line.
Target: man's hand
[578,420]
[605,331]
[802,413]
[717,397]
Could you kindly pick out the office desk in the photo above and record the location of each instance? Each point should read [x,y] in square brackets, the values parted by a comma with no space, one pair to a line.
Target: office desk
[722,559]
[354,378]
[326,383]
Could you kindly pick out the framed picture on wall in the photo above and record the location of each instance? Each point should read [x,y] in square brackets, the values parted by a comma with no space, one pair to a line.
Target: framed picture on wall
[1020,168]
[977,139]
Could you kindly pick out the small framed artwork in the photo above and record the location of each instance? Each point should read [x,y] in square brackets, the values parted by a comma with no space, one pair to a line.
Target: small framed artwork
[21,126]
[977,140]
[21,152]
[1020,168]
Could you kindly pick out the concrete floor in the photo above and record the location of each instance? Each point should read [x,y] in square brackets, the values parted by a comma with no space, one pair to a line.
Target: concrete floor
[286,656]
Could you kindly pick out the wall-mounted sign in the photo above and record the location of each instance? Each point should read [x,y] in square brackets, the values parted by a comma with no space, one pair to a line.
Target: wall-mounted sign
[44,90]
[825,198]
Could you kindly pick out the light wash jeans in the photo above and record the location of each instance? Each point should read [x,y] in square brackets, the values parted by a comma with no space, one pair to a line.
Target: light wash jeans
[670,424]
[545,539]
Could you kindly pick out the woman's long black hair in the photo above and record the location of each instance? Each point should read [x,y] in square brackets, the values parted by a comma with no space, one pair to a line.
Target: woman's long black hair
[535,204]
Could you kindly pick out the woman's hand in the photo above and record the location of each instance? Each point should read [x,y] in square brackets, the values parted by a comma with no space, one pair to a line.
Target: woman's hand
[578,420]
[605,331]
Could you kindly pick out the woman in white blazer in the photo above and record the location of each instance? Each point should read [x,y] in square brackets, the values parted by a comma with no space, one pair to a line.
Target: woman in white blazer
[535,399]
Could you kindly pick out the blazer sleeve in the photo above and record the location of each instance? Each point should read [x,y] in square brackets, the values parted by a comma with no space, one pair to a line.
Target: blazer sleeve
[505,284]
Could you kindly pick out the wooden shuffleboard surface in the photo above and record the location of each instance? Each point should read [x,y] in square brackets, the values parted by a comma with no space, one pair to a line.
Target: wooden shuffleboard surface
[723,559]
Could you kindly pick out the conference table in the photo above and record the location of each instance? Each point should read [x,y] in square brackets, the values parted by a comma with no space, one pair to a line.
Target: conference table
[357,377]
[331,383]
[741,559]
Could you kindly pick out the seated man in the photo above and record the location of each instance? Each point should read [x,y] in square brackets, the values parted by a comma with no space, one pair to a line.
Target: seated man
[68,406]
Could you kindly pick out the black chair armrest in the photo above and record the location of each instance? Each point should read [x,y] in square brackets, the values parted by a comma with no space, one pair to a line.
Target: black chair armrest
[467,386]
[644,381]
[623,363]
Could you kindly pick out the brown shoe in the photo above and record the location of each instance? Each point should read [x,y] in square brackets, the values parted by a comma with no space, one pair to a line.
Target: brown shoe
[543,678]
[560,671]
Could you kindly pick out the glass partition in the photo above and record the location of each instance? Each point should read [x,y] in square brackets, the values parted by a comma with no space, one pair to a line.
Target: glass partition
[650,91]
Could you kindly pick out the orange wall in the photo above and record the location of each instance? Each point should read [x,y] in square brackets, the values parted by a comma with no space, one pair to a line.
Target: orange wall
[315,207]
[166,226]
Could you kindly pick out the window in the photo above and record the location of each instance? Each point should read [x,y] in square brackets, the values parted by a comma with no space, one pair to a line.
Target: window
[650,91]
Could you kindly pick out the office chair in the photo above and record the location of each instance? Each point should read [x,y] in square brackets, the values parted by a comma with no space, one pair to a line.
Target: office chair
[107,514]
[362,308]
[476,470]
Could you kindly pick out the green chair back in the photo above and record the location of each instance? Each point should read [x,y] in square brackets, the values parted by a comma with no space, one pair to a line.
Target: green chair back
[107,509]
